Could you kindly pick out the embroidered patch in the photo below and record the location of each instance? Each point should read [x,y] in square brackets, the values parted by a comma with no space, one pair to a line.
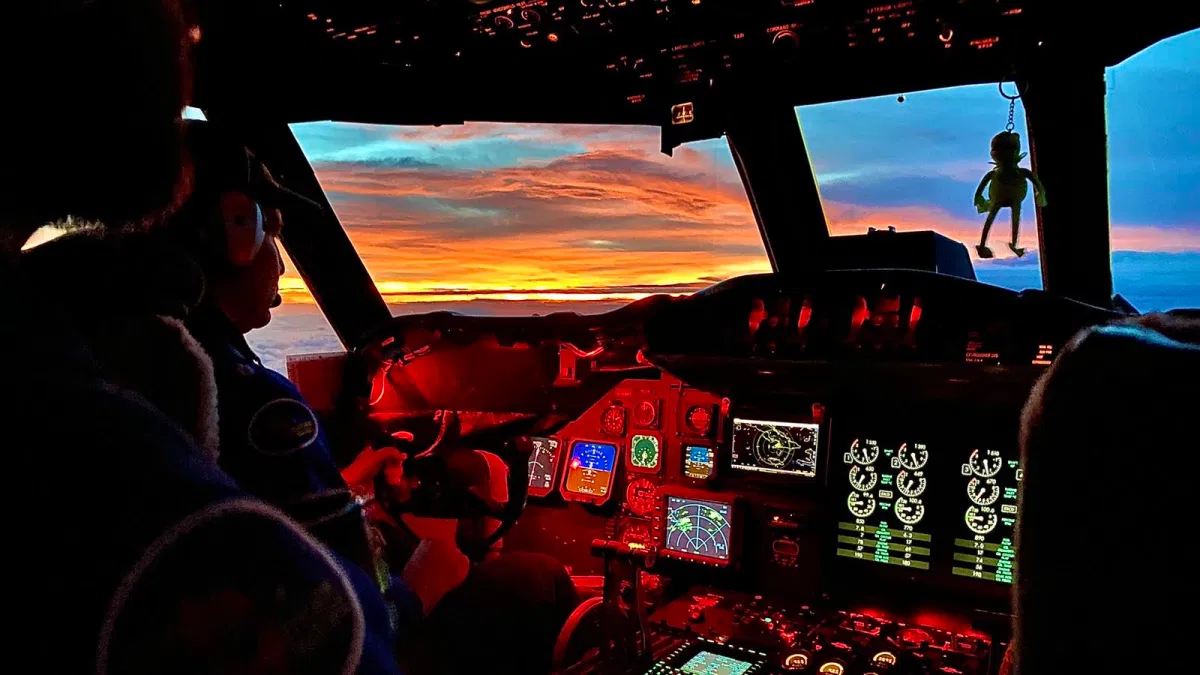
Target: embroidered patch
[282,427]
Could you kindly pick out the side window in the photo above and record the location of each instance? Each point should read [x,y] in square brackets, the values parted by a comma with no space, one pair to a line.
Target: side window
[914,163]
[1154,174]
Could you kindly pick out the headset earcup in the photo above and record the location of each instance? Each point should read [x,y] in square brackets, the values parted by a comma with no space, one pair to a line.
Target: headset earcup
[243,221]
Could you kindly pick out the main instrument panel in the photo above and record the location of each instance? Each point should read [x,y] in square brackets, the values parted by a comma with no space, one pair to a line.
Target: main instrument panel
[848,439]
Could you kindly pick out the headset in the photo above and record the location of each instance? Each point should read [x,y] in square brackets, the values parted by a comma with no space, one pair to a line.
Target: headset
[241,228]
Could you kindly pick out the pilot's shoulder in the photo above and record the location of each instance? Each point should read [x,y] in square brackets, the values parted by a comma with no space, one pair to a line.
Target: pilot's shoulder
[234,587]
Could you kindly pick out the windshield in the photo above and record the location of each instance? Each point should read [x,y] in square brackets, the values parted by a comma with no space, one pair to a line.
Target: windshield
[528,219]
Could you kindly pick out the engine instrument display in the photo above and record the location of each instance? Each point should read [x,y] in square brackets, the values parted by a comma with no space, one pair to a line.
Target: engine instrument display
[983,546]
[787,448]
[885,486]
[699,462]
[708,663]
[543,466]
[590,470]
[644,453]
[699,529]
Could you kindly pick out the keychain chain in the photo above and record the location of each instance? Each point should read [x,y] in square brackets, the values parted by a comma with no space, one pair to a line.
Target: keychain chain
[1012,108]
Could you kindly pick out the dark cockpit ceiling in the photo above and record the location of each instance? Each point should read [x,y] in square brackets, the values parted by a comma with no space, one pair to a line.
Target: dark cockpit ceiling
[631,61]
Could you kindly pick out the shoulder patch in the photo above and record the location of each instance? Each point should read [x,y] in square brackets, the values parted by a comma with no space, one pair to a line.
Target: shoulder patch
[282,427]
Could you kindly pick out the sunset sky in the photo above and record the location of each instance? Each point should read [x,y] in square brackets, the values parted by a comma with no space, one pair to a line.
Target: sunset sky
[503,218]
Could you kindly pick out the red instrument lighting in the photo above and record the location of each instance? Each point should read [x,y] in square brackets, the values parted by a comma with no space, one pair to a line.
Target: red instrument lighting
[613,421]
[645,413]
[805,316]
[699,419]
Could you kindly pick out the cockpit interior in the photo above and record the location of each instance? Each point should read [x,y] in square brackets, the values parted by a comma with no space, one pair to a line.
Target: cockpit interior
[812,470]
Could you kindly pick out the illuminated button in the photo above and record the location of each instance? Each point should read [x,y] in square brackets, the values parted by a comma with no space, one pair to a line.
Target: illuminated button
[884,659]
[797,661]
[832,668]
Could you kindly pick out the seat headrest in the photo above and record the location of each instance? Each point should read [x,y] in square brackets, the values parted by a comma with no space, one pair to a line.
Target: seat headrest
[1109,451]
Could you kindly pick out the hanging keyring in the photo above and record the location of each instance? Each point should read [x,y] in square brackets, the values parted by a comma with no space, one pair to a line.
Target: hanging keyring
[1012,107]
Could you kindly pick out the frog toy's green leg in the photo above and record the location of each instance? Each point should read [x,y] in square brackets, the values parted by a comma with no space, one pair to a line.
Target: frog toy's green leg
[982,249]
[989,206]
[1016,230]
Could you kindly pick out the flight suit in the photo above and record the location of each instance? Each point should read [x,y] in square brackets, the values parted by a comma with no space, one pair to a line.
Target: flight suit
[133,552]
[273,445]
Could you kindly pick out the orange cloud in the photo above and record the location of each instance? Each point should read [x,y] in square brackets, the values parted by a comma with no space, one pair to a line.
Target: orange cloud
[615,222]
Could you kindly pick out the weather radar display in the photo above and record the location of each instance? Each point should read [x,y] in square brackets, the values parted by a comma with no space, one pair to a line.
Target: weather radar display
[786,448]
[699,528]
[708,663]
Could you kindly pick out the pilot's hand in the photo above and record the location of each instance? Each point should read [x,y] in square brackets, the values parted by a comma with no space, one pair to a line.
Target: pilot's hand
[435,568]
[362,471]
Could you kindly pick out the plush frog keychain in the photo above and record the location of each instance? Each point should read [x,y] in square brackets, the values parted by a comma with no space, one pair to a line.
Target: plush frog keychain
[1006,184]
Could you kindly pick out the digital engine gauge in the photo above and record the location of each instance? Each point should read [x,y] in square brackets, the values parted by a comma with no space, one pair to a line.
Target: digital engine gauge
[981,519]
[983,491]
[864,452]
[910,511]
[985,463]
[910,484]
[863,478]
[913,457]
[861,504]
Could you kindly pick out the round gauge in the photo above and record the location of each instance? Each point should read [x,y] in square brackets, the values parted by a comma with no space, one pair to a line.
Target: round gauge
[885,659]
[863,477]
[861,504]
[983,491]
[910,511]
[985,463]
[864,452]
[981,519]
[913,457]
[635,532]
[504,22]
[796,661]
[612,422]
[645,413]
[911,483]
[644,453]
[641,496]
[699,419]
[832,668]
[530,15]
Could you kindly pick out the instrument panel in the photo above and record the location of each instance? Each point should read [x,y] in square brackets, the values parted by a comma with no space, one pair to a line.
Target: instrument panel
[782,486]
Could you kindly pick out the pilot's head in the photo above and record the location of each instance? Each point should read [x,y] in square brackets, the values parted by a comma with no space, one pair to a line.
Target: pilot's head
[93,93]
[231,224]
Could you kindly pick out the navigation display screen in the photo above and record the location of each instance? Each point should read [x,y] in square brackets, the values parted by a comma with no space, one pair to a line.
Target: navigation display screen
[786,448]
[590,469]
[983,545]
[884,516]
[699,462]
[708,663]
[699,529]
[543,466]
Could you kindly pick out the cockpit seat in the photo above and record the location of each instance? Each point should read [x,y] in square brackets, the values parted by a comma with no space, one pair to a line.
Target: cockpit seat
[1106,544]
